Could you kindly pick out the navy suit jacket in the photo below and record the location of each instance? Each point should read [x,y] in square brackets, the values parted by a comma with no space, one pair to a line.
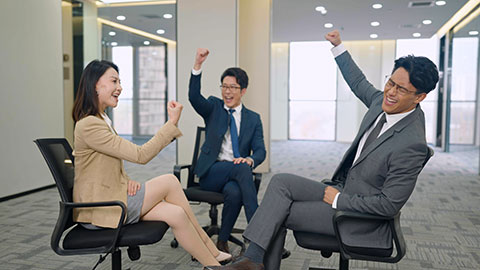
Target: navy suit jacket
[212,110]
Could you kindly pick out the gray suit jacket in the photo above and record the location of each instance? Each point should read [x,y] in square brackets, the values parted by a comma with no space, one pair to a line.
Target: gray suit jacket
[382,179]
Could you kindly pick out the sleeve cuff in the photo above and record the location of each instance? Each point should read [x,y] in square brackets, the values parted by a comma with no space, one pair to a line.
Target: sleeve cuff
[338,50]
[196,72]
[253,161]
[334,204]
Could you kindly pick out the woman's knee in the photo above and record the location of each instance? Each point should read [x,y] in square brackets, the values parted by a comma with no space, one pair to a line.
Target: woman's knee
[176,216]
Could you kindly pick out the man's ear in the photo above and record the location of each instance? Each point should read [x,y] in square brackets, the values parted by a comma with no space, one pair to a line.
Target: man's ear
[420,97]
[243,91]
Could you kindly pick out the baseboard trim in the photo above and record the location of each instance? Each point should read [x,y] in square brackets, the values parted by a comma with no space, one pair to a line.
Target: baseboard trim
[21,194]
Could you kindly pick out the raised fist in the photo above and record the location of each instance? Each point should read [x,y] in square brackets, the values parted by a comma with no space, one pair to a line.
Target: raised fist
[201,56]
[334,37]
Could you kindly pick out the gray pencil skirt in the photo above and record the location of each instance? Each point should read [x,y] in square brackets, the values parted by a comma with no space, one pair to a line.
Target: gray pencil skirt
[134,209]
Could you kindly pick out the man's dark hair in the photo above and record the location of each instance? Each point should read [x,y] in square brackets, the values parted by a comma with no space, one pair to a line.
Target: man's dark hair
[423,73]
[238,73]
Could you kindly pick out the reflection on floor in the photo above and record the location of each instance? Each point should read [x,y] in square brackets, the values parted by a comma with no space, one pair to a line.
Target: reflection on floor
[441,221]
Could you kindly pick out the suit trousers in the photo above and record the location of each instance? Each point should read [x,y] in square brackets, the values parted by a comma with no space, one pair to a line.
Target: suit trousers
[290,202]
[235,181]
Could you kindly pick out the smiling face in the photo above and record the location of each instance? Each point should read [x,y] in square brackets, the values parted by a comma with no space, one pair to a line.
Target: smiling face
[108,89]
[232,92]
[395,101]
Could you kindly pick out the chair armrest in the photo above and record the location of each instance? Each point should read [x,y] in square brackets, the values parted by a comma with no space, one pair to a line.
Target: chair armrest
[179,167]
[65,209]
[257,179]
[394,226]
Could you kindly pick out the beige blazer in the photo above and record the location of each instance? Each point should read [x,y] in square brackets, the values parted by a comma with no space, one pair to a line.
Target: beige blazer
[99,172]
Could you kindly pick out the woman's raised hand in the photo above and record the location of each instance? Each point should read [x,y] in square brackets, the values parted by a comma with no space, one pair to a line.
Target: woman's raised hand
[174,110]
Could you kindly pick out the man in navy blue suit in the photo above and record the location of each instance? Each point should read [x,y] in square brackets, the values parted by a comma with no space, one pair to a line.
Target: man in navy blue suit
[233,144]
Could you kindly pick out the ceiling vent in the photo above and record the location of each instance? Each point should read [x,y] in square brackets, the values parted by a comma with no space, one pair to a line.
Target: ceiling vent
[151,16]
[410,26]
[417,4]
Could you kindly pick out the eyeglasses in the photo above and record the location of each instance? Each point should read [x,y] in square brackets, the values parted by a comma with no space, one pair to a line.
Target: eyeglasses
[389,84]
[231,88]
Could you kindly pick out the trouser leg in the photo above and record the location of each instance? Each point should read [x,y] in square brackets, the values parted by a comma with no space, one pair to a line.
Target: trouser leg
[231,209]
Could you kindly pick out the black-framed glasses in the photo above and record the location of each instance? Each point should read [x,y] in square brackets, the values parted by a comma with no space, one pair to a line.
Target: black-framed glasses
[231,88]
[389,84]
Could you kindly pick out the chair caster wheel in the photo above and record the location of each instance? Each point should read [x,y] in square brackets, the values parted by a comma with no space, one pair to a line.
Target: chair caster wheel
[174,243]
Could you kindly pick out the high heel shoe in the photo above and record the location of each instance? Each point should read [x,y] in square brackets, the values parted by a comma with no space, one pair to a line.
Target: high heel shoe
[223,258]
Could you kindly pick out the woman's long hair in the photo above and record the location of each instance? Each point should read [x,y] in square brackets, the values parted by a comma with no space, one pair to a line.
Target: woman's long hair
[86,101]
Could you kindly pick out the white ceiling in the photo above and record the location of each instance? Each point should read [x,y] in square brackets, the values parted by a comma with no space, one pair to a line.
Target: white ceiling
[297,20]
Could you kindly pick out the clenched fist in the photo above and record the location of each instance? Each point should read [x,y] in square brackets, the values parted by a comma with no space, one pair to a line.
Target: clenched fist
[334,38]
[174,110]
[201,56]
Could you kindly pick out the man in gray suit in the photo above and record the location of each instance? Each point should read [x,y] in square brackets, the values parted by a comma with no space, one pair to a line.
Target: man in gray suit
[377,174]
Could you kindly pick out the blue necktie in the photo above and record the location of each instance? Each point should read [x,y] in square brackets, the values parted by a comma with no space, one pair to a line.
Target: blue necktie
[234,134]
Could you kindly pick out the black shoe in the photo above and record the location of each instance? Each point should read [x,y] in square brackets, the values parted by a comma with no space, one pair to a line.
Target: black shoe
[223,246]
[285,253]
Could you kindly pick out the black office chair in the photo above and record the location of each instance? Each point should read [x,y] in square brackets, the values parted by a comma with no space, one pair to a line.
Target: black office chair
[328,244]
[78,240]
[194,193]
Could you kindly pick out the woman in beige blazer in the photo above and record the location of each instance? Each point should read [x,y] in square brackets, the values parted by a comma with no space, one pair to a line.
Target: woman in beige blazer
[100,176]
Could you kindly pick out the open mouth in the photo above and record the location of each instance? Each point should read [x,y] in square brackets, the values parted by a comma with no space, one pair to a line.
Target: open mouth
[389,101]
[228,99]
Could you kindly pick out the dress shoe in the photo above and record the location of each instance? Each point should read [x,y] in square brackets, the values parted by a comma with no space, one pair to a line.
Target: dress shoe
[242,264]
[223,246]
[285,253]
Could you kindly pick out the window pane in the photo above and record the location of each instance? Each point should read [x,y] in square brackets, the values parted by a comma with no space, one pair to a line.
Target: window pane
[430,110]
[312,120]
[122,117]
[464,69]
[313,71]
[151,116]
[123,58]
[462,122]
[152,80]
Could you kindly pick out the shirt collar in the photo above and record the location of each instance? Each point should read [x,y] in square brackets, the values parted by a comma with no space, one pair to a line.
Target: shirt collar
[237,109]
[392,119]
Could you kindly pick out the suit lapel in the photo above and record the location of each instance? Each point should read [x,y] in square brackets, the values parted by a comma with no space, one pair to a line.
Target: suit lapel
[388,134]
[243,124]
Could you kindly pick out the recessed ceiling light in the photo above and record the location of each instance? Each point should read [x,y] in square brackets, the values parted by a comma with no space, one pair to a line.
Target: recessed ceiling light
[416,35]
[440,3]
[321,9]
[373,36]
[328,25]
[427,21]
[121,18]
[146,42]
[473,33]
[377,6]
[160,31]
[113,43]
[167,16]
[111,33]
[374,23]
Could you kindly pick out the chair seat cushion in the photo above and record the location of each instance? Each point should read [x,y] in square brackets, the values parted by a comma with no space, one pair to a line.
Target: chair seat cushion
[329,243]
[196,194]
[141,233]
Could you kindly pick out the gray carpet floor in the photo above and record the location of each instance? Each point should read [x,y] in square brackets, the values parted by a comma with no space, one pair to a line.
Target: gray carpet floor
[441,221]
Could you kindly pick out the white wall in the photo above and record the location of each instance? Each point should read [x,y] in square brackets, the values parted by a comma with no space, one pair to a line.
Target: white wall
[208,24]
[31,106]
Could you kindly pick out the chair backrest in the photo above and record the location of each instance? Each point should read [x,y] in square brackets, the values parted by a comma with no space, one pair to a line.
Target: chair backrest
[58,155]
[199,140]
